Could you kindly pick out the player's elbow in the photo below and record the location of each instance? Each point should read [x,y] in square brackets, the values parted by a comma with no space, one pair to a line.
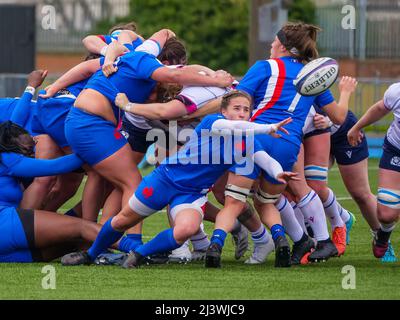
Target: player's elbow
[339,117]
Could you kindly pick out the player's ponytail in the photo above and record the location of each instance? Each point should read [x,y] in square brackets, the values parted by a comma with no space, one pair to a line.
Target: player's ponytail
[300,39]
[9,138]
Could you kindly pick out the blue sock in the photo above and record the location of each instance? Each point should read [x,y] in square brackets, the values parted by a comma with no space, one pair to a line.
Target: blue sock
[162,242]
[71,213]
[218,237]
[277,230]
[106,237]
[130,242]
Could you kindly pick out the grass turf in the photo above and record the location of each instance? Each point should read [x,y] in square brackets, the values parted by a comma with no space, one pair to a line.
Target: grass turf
[374,280]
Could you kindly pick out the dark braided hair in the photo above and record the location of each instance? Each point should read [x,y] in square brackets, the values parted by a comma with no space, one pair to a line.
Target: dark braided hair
[9,134]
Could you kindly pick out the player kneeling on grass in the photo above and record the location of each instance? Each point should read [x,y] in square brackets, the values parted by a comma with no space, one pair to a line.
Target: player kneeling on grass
[183,180]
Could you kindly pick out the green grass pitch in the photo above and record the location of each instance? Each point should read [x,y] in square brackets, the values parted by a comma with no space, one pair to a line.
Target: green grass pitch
[374,280]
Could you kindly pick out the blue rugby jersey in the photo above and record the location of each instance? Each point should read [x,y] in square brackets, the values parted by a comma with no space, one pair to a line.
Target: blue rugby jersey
[270,83]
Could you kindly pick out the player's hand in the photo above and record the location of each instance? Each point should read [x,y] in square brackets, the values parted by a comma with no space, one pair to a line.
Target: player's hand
[279,127]
[354,136]
[224,79]
[36,78]
[50,91]
[121,100]
[286,176]
[347,84]
[321,122]
[108,68]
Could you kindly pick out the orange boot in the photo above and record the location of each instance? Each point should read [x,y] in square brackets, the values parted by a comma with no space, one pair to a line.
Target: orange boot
[339,239]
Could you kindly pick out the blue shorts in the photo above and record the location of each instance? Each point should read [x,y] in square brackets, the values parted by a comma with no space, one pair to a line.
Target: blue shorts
[344,153]
[51,117]
[390,158]
[156,191]
[92,137]
[316,132]
[281,150]
[17,236]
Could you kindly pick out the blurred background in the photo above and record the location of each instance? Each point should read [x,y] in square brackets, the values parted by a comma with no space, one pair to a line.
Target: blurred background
[363,35]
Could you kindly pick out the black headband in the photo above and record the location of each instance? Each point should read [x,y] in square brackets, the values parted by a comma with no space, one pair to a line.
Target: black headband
[283,39]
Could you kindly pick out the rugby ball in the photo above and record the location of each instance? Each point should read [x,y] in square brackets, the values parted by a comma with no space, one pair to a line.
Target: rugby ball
[317,76]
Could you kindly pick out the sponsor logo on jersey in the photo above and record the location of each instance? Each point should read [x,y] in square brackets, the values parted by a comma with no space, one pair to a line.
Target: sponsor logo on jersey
[395,161]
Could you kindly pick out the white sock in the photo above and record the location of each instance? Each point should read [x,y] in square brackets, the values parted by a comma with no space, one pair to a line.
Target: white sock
[388,227]
[313,210]
[331,210]
[344,214]
[261,236]
[289,221]
[200,240]
[299,216]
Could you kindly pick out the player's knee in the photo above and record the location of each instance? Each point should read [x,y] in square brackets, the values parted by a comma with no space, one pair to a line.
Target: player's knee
[361,197]
[389,205]
[184,230]
[46,183]
[317,175]
[319,187]
[236,196]
[263,197]
[121,222]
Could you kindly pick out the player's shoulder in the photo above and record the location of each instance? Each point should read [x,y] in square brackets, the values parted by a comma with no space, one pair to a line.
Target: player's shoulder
[391,97]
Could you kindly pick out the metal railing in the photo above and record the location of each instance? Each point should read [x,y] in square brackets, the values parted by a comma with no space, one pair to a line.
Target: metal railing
[74,19]
[376,33]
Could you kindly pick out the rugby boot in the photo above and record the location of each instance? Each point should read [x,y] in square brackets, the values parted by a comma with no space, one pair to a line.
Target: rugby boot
[261,252]
[390,255]
[213,256]
[76,259]
[241,241]
[324,250]
[339,239]
[133,260]
[349,226]
[300,249]
[282,253]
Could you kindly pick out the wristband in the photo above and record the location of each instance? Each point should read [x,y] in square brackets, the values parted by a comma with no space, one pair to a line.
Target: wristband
[103,50]
[30,89]
[129,107]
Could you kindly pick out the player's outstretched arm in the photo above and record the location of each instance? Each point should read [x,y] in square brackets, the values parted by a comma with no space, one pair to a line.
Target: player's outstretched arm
[273,167]
[154,111]
[191,77]
[21,166]
[22,109]
[337,111]
[224,126]
[373,114]
[78,73]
